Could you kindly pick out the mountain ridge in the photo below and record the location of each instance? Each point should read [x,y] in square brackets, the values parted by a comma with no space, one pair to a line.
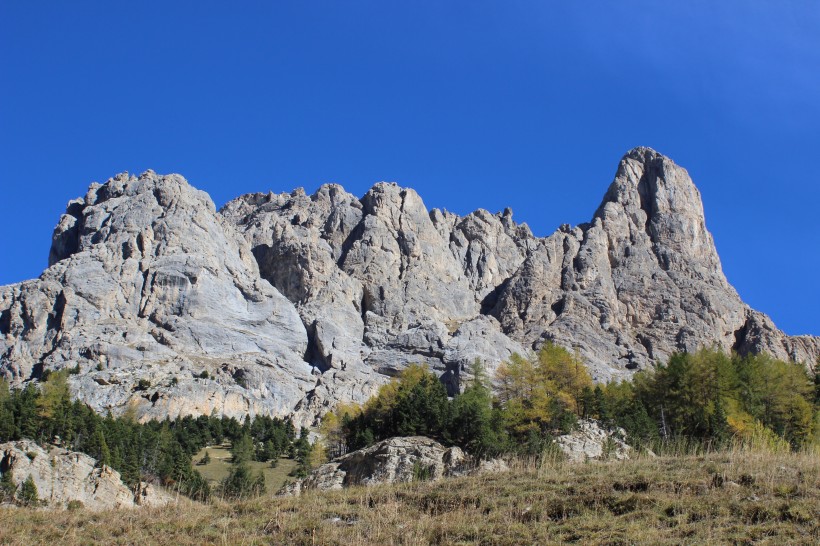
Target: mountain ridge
[288,303]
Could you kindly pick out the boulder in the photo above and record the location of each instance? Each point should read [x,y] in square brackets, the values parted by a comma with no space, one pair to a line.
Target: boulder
[590,441]
[401,459]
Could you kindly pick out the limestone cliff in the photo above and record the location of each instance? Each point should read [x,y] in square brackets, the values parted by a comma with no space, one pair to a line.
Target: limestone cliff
[287,303]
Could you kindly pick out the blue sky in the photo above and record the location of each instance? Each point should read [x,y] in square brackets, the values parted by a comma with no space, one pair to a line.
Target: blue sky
[474,104]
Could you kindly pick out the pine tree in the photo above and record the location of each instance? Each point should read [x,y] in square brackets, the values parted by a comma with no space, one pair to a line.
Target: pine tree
[104,457]
[242,449]
[7,486]
[242,483]
[718,426]
[473,426]
[601,405]
[303,453]
[130,470]
[28,492]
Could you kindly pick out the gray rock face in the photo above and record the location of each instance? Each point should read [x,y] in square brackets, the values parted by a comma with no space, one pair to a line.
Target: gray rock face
[147,282]
[390,461]
[63,476]
[293,302]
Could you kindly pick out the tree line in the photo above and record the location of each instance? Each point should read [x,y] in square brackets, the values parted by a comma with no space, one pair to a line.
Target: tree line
[706,398]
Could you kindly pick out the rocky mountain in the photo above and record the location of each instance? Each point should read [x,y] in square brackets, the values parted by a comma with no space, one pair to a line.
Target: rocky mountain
[287,303]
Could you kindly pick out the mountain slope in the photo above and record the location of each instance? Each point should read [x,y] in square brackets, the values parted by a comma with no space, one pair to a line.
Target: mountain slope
[289,303]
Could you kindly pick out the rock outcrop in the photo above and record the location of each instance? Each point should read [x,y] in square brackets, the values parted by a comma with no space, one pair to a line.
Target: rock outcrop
[401,459]
[591,442]
[64,477]
[288,303]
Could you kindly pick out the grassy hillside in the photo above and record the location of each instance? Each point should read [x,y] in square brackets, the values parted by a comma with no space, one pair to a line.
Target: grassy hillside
[732,497]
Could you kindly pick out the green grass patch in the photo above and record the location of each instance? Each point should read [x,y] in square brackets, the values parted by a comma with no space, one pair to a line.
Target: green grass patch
[220,464]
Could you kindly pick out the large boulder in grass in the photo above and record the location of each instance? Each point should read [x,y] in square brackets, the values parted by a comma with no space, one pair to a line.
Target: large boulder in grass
[590,441]
[401,459]
[64,477]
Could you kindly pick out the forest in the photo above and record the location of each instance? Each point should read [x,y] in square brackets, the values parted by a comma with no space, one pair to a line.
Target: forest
[706,399]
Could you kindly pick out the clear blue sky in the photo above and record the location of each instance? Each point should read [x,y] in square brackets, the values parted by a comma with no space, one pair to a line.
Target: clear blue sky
[474,104]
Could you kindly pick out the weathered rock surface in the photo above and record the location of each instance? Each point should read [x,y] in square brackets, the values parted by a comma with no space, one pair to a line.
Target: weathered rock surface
[401,459]
[63,476]
[590,441]
[147,282]
[639,282]
[293,302]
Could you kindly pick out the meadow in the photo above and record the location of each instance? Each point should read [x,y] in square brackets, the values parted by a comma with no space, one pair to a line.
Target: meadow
[735,497]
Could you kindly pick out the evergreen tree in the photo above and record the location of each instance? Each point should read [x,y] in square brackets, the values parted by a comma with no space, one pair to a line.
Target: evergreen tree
[28,493]
[242,449]
[7,486]
[718,426]
[242,483]
[304,455]
[601,405]
[475,425]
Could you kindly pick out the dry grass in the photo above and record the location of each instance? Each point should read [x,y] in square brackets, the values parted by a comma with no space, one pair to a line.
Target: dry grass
[737,497]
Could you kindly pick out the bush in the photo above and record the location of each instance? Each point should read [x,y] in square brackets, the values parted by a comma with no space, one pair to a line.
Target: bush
[421,472]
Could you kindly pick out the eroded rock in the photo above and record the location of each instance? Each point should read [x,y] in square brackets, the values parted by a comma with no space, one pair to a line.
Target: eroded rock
[589,441]
[401,459]
[64,477]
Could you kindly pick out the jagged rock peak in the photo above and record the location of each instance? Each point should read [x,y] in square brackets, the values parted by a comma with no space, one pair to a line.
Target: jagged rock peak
[88,220]
[659,196]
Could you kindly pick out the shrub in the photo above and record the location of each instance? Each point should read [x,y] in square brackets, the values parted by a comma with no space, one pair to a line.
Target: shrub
[421,472]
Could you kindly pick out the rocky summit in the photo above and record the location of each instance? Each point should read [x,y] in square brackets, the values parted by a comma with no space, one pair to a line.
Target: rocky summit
[285,304]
